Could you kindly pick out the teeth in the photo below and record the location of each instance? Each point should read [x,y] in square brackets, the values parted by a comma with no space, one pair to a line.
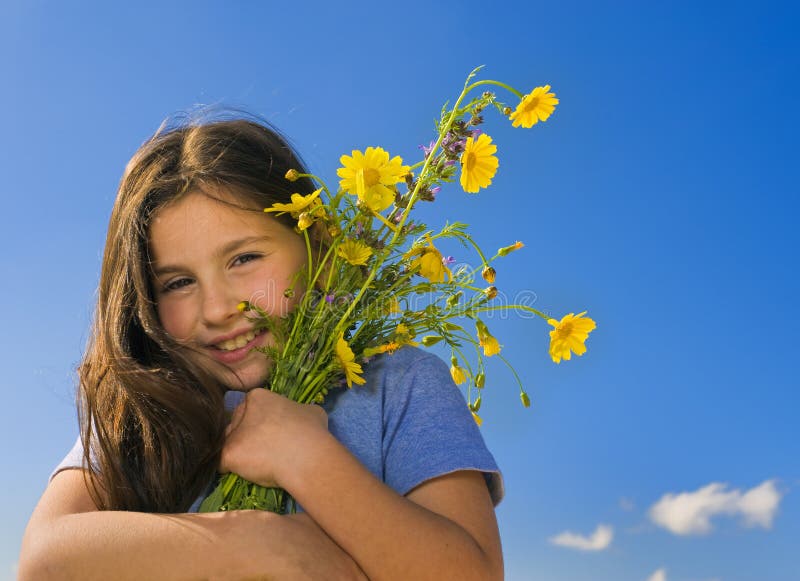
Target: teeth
[237,342]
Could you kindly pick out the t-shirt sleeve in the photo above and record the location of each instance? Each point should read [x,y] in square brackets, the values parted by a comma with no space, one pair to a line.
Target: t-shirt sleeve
[429,431]
[73,459]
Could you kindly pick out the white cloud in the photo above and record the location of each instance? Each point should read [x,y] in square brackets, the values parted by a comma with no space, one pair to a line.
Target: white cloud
[599,540]
[690,513]
[660,575]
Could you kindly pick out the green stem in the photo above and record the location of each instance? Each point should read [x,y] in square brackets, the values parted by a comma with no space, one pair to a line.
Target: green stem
[520,307]
[498,83]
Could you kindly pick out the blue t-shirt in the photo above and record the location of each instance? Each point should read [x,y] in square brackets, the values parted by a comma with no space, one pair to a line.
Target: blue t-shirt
[407,424]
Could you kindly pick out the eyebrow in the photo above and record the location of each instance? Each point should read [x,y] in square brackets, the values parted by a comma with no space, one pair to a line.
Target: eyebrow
[226,249]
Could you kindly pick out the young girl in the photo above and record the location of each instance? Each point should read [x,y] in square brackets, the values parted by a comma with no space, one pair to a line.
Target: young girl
[393,477]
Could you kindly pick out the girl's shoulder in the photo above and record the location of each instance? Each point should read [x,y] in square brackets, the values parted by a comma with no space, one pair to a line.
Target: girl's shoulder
[408,361]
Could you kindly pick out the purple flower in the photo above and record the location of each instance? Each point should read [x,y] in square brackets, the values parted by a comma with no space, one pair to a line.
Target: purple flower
[427,150]
[447,261]
[450,162]
[436,189]
[476,132]
[329,298]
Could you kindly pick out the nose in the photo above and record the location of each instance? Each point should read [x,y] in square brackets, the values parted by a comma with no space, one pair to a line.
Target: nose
[219,304]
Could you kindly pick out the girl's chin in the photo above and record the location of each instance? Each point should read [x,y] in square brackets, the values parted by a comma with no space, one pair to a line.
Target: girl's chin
[245,381]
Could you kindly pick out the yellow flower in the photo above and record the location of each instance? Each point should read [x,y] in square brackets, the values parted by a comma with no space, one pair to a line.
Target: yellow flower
[486,340]
[387,348]
[368,175]
[299,204]
[569,335]
[402,336]
[490,345]
[429,262]
[477,418]
[534,107]
[457,373]
[355,252]
[478,163]
[352,370]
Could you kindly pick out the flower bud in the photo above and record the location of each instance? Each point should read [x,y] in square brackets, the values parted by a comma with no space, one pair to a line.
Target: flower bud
[476,407]
[292,175]
[430,340]
[480,380]
[508,249]
[334,231]
[243,306]
[304,221]
[489,274]
[288,293]
[507,111]
[490,292]
[526,401]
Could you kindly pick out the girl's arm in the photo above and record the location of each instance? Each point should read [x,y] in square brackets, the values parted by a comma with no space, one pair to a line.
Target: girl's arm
[68,538]
[443,529]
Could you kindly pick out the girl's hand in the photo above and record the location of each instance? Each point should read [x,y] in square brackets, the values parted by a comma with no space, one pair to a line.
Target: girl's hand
[267,434]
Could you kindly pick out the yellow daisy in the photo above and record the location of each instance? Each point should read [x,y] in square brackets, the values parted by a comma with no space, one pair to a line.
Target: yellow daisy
[352,370]
[490,344]
[429,262]
[369,176]
[355,252]
[534,107]
[299,204]
[569,334]
[478,163]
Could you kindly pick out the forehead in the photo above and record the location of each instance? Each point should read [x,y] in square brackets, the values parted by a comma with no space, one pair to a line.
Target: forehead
[198,224]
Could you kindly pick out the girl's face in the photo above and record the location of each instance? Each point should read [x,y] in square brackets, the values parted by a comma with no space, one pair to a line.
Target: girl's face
[207,258]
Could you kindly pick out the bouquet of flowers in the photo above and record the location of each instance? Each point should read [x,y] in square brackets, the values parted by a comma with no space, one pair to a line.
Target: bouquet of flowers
[372,266]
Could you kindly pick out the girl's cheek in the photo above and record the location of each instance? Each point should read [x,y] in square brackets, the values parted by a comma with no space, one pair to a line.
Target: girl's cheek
[176,318]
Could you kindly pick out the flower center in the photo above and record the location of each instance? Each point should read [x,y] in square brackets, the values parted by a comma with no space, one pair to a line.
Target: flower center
[469,160]
[531,105]
[564,330]
[371,176]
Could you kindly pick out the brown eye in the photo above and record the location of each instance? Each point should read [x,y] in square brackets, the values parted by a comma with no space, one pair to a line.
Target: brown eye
[177,284]
[246,258]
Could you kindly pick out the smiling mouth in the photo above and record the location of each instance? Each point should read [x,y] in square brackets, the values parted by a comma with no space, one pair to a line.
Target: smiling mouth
[237,342]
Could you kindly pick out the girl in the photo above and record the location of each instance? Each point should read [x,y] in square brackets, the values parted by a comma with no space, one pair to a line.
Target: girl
[393,477]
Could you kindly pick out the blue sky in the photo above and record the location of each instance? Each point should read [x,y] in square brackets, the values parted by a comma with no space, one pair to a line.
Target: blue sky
[661,197]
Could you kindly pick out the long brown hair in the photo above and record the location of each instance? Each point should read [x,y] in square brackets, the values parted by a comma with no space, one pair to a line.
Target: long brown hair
[154,419]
